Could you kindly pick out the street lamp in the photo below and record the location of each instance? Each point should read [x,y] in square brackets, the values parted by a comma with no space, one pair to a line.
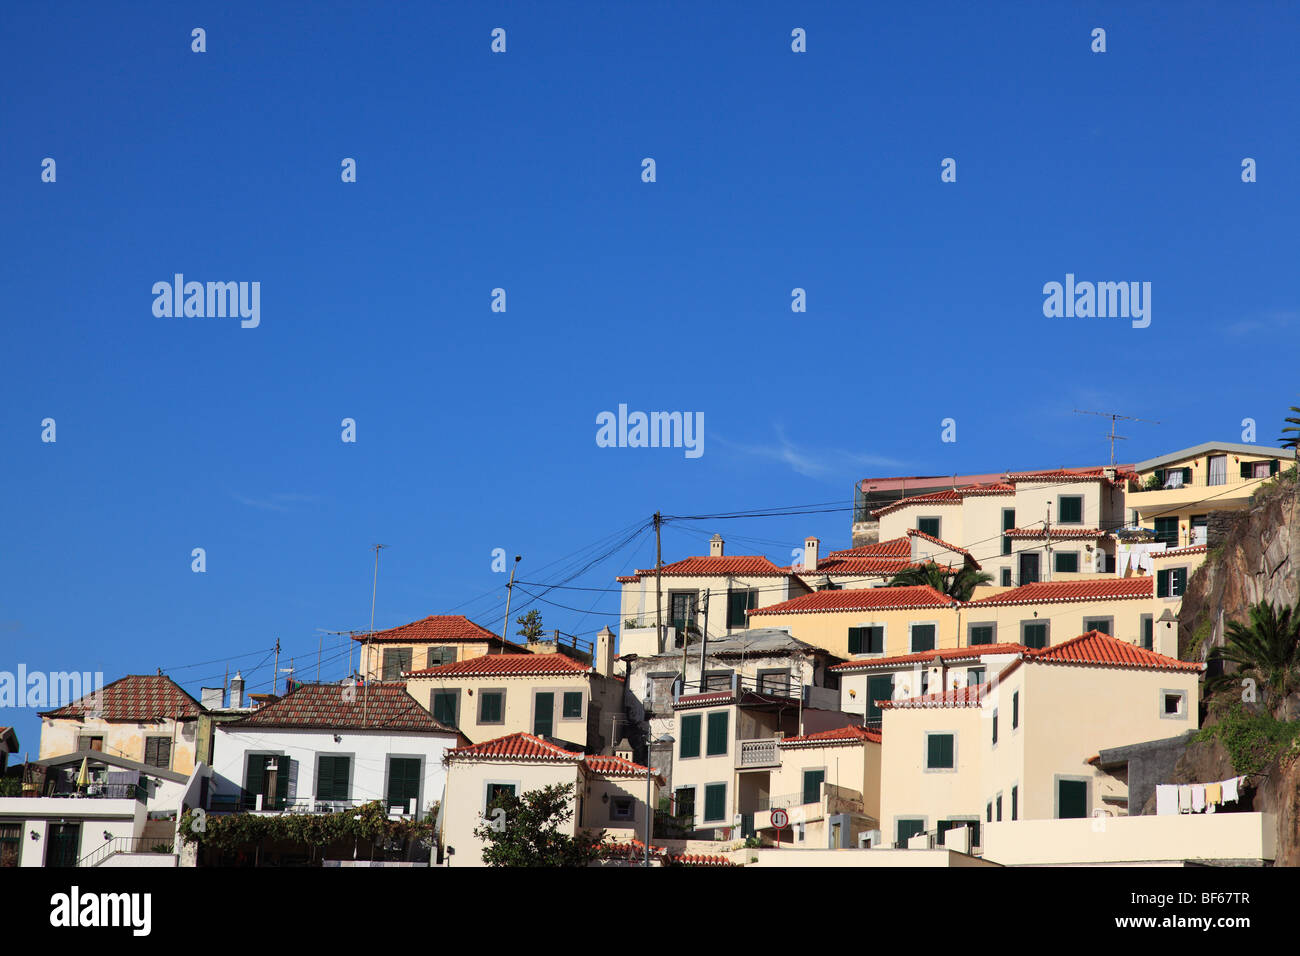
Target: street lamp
[649,773]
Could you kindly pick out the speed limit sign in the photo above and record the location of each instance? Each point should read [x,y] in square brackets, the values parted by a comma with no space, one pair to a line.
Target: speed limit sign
[780,819]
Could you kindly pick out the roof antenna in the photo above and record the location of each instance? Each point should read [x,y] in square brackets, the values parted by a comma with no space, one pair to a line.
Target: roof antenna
[1114,417]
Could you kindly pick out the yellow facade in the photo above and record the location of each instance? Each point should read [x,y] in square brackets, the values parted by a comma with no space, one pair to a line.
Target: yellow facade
[121,738]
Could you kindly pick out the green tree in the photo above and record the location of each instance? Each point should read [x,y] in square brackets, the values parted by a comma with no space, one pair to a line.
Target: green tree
[530,625]
[959,585]
[1267,650]
[528,832]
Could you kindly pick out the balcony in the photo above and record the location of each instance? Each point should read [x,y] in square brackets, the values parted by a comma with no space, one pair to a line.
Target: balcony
[1176,491]
[758,753]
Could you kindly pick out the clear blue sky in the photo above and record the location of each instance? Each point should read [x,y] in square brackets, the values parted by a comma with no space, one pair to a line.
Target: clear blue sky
[477,430]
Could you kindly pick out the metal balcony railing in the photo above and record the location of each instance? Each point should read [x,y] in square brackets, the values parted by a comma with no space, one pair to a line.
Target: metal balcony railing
[125,845]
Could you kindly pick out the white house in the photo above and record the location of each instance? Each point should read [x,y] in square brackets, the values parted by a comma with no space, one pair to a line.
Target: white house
[325,747]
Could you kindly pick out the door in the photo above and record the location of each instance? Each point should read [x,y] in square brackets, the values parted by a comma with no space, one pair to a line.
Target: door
[403,782]
[1218,470]
[878,689]
[1028,568]
[543,715]
[61,850]
[1071,799]
[812,785]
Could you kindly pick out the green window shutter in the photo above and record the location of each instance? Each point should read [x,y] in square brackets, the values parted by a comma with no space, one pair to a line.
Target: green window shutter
[812,785]
[332,778]
[878,689]
[1245,469]
[908,829]
[1187,476]
[1071,510]
[922,638]
[995,725]
[403,782]
[254,777]
[1072,800]
[715,802]
[1160,476]
[281,781]
[543,714]
[1067,561]
[444,706]
[1015,710]
[572,704]
[928,526]
[1015,803]
[981,634]
[738,602]
[875,640]
[1036,635]
[1180,581]
[1148,632]
[690,746]
[939,747]
[1273,466]
[855,639]
[717,743]
[1162,584]
[490,707]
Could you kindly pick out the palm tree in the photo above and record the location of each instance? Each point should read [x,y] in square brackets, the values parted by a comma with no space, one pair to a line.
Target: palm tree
[959,585]
[1267,649]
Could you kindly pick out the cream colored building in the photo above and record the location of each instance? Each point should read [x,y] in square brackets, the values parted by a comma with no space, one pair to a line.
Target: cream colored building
[609,790]
[429,642]
[147,718]
[1037,615]
[1019,747]
[548,695]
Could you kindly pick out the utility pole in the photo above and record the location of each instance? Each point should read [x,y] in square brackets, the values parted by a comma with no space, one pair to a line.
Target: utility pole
[374,589]
[659,602]
[1111,436]
[510,590]
[275,677]
[1048,542]
[704,645]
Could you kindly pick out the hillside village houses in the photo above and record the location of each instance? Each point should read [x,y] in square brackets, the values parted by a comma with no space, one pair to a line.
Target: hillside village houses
[811,706]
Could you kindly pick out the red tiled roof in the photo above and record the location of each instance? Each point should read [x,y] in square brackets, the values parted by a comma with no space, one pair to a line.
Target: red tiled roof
[699,859]
[606,766]
[134,699]
[1179,552]
[860,599]
[1122,473]
[939,541]
[851,734]
[857,566]
[379,706]
[973,652]
[517,746]
[1046,592]
[739,565]
[892,548]
[958,697]
[1094,647]
[1057,532]
[948,496]
[435,628]
[701,700]
[506,665]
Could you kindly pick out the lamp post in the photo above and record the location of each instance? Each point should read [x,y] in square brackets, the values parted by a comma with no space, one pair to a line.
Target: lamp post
[649,810]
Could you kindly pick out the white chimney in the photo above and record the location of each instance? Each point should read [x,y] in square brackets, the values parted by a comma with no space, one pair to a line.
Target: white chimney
[604,662]
[810,546]
[715,546]
[237,690]
[212,698]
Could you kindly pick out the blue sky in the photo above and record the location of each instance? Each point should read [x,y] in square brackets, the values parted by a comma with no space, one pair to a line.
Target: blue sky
[476,430]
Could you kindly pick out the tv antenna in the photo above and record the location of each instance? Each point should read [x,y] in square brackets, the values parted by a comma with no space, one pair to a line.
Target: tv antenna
[1114,417]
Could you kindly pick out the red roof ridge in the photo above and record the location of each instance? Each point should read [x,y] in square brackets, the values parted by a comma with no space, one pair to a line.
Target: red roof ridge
[851,733]
[860,599]
[516,746]
[517,665]
[940,653]
[1103,587]
[1096,647]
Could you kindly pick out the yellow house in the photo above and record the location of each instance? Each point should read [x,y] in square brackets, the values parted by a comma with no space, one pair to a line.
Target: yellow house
[1019,747]
[609,791]
[436,639]
[547,695]
[147,718]
[1047,612]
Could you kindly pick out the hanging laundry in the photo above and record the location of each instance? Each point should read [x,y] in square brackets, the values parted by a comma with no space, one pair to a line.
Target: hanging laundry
[1184,798]
[1166,799]
[1198,798]
[1214,794]
[1230,790]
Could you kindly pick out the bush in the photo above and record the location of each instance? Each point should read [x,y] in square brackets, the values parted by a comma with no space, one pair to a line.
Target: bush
[1253,741]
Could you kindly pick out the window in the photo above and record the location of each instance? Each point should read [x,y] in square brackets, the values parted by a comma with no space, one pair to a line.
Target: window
[867,640]
[988,811]
[1008,522]
[266,776]
[981,634]
[943,826]
[812,785]
[922,637]
[1071,799]
[717,680]
[939,751]
[1069,509]
[1217,472]
[11,844]
[90,743]
[543,714]
[444,706]
[878,689]
[158,752]
[1065,561]
[1028,567]
[717,742]
[1171,582]
[974,676]
[491,706]
[403,783]
[684,797]
[1173,703]
[906,829]
[928,526]
[621,808]
[438,656]
[715,802]
[496,793]
[995,726]
[572,705]
[396,661]
[1167,531]
[1200,529]
[1033,634]
[997,807]
[1148,632]
[1015,710]
[1006,577]
[738,602]
[1104,624]
[690,745]
[332,777]
[774,681]
[1015,803]
[682,608]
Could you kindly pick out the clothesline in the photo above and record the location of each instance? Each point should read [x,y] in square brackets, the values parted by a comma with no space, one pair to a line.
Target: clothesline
[1175,798]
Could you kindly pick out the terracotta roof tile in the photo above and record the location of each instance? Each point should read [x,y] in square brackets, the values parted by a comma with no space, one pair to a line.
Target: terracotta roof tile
[851,734]
[134,698]
[1123,473]
[1057,532]
[959,697]
[1179,552]
[939,541]
[974,652]
[1045,592]
[949,496]
[1094,647]
[603,765]
[446,628]
[378,706]
[506,665]
[739,565]
[892,548]
[517,746]
[860,599]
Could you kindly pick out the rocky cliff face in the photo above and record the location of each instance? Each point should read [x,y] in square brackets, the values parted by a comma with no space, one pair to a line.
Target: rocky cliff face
[1254,556]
